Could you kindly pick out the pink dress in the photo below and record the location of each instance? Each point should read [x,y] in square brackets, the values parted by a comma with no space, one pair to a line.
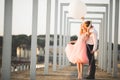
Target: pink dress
[77,53]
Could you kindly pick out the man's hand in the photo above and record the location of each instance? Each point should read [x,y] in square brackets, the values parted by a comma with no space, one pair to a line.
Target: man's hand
[92,52]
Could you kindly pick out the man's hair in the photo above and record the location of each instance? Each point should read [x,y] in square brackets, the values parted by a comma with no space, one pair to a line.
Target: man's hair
[88,23]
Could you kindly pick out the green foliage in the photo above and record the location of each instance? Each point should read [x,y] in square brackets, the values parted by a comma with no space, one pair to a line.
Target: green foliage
[74,37]
[20,40]
[41,43]
[1,41]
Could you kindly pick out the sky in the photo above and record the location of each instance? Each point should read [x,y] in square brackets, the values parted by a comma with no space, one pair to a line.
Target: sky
[22,17]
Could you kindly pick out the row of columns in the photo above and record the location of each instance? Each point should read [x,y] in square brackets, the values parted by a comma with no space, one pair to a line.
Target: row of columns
[7,39]
[106,34]
[104,62]
[107,45]
[110,20]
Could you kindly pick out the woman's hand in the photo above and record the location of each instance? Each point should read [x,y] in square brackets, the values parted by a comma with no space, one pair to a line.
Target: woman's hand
[72,42]
[82,18]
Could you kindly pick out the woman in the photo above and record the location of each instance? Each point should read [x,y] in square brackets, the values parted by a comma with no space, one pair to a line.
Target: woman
[77,53]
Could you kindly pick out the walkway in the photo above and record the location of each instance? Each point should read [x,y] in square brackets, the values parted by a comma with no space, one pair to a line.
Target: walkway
[67,73]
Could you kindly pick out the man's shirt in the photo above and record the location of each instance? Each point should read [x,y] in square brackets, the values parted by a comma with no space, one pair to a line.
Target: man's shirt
[93,39]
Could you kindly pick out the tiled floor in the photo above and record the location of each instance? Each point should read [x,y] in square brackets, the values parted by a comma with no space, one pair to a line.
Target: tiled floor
[67,73]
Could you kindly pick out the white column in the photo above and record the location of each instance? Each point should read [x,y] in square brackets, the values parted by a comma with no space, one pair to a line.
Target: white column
[22,52]
[109,69]
[47,40]
[60,37]
[100,45]
[68,37]
[64,35]
[104,42]
[34,40]
[115,46]
[104,27]
[18,52]
[55,34]
[102,54]
[7,41]
[106,38]
[69,30]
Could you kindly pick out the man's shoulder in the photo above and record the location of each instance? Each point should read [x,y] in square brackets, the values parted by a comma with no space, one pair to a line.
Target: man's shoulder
[94,32]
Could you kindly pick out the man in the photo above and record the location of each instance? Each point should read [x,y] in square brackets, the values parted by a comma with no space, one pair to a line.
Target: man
[91,48]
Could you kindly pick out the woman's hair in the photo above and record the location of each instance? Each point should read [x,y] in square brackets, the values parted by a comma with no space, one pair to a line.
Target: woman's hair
[83,29]
[87,24]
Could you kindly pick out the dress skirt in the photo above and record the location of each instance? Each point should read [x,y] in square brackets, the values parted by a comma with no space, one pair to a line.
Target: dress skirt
[76,53]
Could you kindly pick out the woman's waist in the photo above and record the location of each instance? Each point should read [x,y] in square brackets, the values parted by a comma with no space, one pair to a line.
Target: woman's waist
[90,43]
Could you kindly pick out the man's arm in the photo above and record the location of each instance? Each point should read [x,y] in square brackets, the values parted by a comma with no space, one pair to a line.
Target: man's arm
[94,41]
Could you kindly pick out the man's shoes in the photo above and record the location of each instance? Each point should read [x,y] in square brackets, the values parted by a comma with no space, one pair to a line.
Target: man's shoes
[90,77]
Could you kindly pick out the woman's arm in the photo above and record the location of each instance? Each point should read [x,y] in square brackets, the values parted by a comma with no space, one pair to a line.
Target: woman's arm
[72,42]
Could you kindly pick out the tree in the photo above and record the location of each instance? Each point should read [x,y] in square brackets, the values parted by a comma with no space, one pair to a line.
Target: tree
[1,41]
[1,44]
[41,43]
[19,41]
